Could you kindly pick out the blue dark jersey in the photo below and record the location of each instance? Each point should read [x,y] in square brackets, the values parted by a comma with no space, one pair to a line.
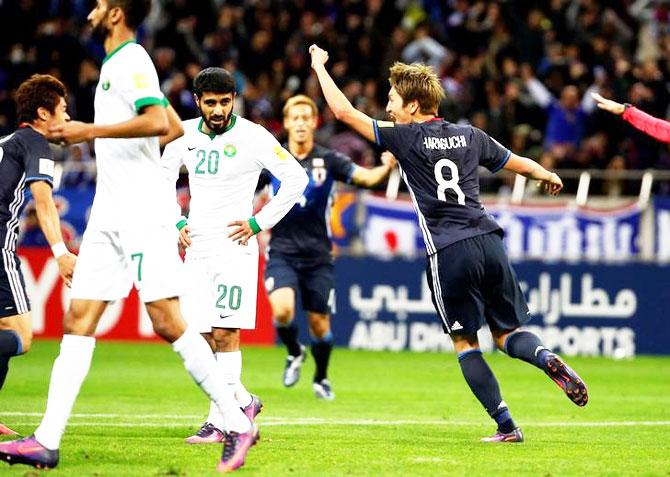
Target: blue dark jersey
[25,156]
[305,231]
[439,163]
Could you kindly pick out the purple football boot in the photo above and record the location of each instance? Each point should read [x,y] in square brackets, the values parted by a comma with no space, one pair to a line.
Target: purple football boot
[254,408]
[569,381]
[208,434]
[515,436]
[235,448]
[30,452]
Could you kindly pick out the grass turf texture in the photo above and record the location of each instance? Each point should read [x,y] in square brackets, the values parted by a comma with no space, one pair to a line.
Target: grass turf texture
[395,414]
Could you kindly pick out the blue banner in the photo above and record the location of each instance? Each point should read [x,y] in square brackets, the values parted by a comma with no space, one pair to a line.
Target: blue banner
[578,309]
[548,233]
[74,206]
[569,232]
[662,239]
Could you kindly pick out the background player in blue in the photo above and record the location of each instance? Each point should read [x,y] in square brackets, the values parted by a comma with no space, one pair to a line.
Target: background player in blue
[469,274]
[27,161]
[300,248]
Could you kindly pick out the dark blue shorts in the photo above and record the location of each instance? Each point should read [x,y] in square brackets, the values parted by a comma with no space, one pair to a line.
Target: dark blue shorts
[473,283]
[13,296]
[314,279]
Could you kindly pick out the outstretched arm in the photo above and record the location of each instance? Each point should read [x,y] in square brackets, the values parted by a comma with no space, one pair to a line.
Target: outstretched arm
[655,127]
[550,181]
[364,177]
[152,121]
[337,101]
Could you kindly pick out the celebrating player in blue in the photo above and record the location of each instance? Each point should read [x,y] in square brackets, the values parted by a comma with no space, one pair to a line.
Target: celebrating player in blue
[299,255]
[27,161]
[469,274]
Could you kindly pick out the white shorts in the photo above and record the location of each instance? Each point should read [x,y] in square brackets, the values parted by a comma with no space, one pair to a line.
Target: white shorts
[221,291]
[109,263]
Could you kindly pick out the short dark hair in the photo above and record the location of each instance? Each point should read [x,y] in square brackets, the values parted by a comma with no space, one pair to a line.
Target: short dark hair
[214,80]
[38,91]
[134,10]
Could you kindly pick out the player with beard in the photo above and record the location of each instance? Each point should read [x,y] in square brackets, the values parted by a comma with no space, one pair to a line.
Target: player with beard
[225,155]
[129,238]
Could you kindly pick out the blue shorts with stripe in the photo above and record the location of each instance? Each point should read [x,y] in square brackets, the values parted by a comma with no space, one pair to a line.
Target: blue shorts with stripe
[472,283]
[313,278]
[13,296]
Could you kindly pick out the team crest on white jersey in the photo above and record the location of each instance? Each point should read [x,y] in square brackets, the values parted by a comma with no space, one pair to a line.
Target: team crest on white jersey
[229,150]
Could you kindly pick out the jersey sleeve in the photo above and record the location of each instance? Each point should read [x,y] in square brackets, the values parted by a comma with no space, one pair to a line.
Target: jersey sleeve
[657,128]
[391,136]
[283,166]
[38,160]
[493,155]
[140,87]
[173,158]
[342,168]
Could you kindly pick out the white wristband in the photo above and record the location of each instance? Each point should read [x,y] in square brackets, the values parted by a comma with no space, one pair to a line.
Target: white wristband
[59,249]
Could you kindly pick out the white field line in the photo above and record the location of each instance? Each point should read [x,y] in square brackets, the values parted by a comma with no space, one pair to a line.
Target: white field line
[131,420]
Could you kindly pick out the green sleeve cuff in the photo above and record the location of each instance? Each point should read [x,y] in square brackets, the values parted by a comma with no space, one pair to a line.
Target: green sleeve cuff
[149,101]
[183,222]
[254,225]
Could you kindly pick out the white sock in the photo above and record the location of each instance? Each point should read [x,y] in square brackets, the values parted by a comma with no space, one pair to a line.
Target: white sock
[230,364]
[201,365]
[67,375]
[215,416]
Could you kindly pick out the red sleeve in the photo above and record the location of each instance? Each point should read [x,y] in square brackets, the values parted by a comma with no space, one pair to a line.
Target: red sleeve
[656,128]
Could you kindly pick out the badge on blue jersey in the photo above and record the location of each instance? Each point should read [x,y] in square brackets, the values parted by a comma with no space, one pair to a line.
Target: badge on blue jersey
[319,172]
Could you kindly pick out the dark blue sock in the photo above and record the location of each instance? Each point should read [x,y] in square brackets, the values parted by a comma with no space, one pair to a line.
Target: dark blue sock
[321,348]
[10,345]
[484,386]
[528,347]
[289,336]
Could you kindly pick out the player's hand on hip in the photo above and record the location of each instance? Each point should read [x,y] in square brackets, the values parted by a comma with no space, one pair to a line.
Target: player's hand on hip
[388,159]
[319,56]
[71,132]
[608,104]
[66,265]
[552,185]
[242,231]
[184,239]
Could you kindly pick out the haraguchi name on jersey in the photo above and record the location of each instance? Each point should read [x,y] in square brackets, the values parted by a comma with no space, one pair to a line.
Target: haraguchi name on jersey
[451,142]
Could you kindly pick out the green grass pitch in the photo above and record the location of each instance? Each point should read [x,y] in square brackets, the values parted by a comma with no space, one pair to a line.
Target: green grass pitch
[398,414]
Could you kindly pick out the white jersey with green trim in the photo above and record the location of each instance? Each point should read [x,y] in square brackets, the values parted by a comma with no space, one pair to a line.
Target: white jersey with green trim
[223,173]
[132,189]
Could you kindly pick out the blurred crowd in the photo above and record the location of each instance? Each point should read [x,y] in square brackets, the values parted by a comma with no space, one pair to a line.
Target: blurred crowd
[522,70]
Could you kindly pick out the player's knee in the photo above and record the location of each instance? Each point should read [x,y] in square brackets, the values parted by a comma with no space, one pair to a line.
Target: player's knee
[463,343]
[77,322]
[227,340]
[283,315]
[499,338]
[167,329]
[26,337]
[319,328]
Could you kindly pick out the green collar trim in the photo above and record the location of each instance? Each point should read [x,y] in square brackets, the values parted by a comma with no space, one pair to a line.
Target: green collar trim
[115,50]
[212,135]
